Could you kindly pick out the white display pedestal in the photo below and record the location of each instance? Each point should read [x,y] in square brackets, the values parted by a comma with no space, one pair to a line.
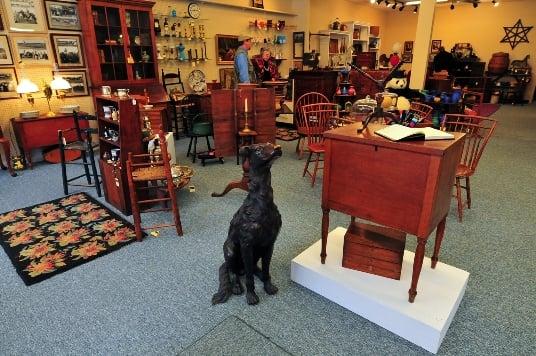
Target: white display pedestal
[384,301]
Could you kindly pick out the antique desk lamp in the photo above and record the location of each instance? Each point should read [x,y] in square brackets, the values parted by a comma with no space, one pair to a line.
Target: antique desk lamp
[26,86]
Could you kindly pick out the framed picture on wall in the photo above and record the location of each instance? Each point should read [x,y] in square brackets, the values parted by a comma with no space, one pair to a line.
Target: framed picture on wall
[5,51]
[78,81]
[8,83]
[408,47]
[298,42]
[407,57]
[68,50]
[258,4]
[226,46]
[62,15]
[436,44]
[24,15]
[31,49]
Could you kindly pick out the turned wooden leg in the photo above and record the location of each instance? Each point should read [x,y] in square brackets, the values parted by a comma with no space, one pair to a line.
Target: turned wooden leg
[459,198]
[316,169]
[325,227]
[305,170]
[417,266]
[440,231]
[468,192]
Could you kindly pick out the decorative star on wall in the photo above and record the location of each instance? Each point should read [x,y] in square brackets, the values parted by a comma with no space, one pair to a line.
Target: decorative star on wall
[516,34]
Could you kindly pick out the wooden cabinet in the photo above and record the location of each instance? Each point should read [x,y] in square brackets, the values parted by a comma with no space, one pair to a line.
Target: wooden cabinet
[119,41]
[333,48]
[117,137]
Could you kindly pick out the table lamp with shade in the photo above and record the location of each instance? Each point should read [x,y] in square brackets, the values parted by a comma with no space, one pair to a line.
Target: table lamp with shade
[26,86]
[60,85]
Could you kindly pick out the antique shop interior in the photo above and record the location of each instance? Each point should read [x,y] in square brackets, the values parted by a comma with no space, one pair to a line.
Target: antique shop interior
[272,177]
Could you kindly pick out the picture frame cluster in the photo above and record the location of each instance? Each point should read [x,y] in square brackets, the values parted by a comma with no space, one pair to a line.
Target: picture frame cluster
[41,33]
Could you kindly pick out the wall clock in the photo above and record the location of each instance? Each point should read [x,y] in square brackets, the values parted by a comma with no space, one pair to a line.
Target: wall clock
[193,10]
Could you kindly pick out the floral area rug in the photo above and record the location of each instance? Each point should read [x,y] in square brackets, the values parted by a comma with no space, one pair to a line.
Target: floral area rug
[286,134]
[53,237]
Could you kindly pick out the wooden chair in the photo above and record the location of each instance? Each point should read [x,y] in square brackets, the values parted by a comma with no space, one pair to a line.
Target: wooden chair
[318,118]
[144,173]
[305,99]
[478,131]
[423,111]
[79,139]
[6,143]
[472,100]
[173,81]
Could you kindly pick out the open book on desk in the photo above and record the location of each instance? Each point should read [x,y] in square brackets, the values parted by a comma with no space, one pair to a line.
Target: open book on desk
[402,133]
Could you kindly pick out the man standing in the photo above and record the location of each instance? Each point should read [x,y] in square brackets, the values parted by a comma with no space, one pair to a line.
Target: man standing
[244,72]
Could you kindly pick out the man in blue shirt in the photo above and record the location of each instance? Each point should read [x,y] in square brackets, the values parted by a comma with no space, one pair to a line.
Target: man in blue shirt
[243,67]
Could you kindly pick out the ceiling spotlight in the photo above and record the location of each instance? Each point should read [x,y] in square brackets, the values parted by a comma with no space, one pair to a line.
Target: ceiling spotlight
[394,6]
[416,9]
[402,7]
[495,3]
[475,4]
[373,1]
[386,3]
[452,5]
[379,2]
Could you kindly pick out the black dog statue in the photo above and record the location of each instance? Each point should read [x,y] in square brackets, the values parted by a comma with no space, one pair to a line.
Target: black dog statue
[253,230]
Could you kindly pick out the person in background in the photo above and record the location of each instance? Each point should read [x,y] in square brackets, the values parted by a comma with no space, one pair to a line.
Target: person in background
[243,67]
[265,66]
[443,61]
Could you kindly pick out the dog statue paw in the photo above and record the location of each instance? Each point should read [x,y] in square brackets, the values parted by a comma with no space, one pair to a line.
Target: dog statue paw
[270,288]
[252,298]
[253,229]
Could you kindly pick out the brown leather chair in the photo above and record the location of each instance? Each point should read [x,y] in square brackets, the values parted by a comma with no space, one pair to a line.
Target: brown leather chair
[305,99]
[6,143]
[144,173]
[478,131]
[318,118]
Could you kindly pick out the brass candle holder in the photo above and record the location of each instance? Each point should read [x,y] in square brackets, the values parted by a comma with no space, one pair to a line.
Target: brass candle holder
[246,127]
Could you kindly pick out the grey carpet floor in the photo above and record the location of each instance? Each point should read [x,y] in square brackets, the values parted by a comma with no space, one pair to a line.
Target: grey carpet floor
[153,297]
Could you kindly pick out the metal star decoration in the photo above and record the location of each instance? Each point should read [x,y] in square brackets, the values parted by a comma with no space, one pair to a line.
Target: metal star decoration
[516,34]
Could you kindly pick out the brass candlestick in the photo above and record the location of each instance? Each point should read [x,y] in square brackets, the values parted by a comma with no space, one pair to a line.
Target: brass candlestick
[246,127]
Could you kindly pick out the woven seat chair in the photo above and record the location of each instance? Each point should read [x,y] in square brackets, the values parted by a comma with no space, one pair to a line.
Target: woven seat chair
[151,173]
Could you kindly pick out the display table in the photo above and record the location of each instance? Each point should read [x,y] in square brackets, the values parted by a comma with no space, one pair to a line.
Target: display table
[401,185]
[42,132]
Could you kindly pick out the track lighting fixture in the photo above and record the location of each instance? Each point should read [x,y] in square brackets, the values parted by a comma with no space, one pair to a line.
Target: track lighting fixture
[452,5]
[415,9]
[394,6]
[402,7]
[379,2]
[475,4]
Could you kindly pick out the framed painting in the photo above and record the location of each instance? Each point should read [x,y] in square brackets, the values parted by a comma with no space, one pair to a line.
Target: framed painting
[78,81]
[436,44]
[259,4]
[31,49]
[407,57]
[8,83]
[408,47]
[227,78]
[5,51]
[62,15]
[298,41]
[226,46]
[24,15]
[67,50]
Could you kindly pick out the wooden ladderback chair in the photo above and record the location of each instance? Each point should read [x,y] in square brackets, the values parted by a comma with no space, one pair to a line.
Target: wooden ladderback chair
[478,131]
[305,99]
[172,83]
[423,111]
[150,182]
[78,140]
[5,144]
[318,119]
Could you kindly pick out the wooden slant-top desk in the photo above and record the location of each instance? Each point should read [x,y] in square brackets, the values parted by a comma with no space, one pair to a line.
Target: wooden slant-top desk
[402,185]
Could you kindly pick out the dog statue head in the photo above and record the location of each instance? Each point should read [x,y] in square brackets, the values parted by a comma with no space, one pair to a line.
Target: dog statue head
[261,154]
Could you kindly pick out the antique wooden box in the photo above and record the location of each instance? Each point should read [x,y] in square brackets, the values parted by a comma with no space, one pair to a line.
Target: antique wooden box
[374,249]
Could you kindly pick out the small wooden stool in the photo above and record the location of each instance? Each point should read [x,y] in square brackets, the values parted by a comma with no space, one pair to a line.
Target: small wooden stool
[244,138]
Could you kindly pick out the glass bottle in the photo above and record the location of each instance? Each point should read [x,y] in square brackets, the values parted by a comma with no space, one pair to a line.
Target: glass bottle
[157,28]
[166,27]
